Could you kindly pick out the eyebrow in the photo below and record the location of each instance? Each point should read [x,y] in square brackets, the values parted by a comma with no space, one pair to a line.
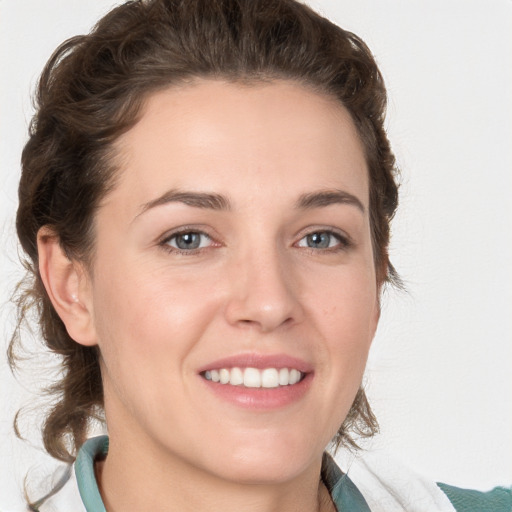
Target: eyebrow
[324,198]
[219,202]
[195,199]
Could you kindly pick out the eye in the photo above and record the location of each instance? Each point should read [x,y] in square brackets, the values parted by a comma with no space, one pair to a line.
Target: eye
[188,241]
[323,240]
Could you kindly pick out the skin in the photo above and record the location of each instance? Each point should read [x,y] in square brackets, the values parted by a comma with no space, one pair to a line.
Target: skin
[254,286]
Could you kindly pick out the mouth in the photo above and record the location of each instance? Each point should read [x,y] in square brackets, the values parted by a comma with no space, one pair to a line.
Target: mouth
[257,381]
[249,377]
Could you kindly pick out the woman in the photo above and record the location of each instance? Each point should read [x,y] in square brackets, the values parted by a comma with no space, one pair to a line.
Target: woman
[206,197]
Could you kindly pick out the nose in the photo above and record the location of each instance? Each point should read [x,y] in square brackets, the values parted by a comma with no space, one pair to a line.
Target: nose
[263,293]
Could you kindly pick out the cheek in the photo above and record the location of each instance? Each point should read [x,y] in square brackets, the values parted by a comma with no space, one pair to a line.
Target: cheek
[148,325]
[346,316]
[149,315]
[345,304]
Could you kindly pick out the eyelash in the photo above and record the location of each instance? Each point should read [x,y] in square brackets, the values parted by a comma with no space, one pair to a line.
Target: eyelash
[165,242]
[343,241]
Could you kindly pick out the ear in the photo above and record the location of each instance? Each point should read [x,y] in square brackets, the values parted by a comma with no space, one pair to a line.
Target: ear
[68,286]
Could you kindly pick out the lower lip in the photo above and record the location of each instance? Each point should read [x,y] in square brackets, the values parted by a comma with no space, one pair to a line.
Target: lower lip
[261,398]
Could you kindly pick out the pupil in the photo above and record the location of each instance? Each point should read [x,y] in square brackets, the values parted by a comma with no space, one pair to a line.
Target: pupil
[188,241]
[319,240]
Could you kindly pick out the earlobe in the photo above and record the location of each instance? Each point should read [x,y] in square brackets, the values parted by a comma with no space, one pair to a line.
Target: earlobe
[67,286]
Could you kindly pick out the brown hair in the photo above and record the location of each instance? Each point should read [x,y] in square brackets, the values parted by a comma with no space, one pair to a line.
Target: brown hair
[92,90]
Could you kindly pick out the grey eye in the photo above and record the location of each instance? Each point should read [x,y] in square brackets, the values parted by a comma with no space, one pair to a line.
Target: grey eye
[320,240]
[189,241]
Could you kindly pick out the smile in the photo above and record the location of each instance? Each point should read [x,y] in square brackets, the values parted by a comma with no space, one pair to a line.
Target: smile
[254,377]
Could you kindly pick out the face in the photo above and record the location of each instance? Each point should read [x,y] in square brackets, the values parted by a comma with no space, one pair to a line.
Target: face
[233,291]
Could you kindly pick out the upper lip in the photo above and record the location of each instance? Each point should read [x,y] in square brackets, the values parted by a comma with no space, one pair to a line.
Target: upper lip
[259,361]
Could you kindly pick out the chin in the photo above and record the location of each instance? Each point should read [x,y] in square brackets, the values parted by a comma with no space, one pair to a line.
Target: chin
[268,462]
[262,472]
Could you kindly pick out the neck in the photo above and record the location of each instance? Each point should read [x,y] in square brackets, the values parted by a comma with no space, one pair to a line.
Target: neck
[150,480]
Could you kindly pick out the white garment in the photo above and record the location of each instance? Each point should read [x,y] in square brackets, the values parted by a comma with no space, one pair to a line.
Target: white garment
[389,486]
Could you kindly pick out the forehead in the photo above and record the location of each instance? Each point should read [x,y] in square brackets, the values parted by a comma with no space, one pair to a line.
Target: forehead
[240,139]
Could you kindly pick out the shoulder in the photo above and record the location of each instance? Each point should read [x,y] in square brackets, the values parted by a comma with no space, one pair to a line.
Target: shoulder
[384,484]
[498,499]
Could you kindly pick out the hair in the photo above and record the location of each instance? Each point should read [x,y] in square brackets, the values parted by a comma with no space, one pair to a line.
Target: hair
[93,89]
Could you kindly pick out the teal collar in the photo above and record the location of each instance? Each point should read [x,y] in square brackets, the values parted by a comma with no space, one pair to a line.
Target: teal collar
[344,493]
[90,451]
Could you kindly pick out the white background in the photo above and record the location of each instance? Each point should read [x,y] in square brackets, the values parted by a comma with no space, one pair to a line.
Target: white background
[439,375]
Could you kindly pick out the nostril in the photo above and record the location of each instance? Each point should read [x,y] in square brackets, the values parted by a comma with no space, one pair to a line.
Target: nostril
[247,322]
[266,324]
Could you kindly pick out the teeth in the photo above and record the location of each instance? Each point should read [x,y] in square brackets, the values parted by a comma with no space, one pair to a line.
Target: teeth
[255,378]
[294,376]
[224,376]
[252,378]
[269,378]
[237,377]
